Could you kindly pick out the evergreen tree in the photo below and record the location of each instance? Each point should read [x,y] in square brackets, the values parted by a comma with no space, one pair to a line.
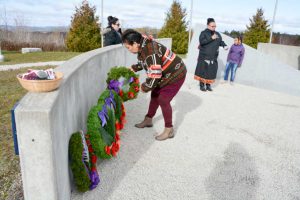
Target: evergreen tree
[84,34]
[258,31]
[175,27]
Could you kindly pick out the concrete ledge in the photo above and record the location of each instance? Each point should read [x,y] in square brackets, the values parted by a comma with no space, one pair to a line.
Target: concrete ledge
[45,121]
[285,53]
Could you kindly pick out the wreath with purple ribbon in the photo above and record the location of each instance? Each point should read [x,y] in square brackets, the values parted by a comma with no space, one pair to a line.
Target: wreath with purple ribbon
[124,81]
[105,120]
[83,162]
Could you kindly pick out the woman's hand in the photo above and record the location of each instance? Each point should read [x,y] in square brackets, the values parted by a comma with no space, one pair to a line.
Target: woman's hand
[131,69]
[214,36]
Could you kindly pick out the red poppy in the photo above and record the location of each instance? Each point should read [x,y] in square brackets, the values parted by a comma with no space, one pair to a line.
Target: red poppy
[90,148]
[117,137]
[113,151]
[94,159]
[118,125]
[136,88]
[130,95]
[107,150]
[121,93]
[121,126]
[136,80]
[116,146]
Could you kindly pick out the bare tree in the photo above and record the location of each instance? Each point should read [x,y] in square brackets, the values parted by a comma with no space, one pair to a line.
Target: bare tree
[4,21]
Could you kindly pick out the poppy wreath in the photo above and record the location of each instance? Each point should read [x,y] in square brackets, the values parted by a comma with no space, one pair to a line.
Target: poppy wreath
[124,81]
[105,121]
[83,162]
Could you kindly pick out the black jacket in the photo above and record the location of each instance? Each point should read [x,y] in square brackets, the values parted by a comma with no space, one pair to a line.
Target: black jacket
[209,48]
[111,36]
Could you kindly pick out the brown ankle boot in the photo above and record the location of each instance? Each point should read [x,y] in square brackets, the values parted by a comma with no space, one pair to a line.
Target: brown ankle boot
[146,123]
[167,133]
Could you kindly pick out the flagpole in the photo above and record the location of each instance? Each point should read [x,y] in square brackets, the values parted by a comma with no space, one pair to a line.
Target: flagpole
[102,27]
[275,9]
[190,27]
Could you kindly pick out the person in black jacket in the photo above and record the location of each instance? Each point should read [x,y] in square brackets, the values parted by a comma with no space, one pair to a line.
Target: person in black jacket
[207,66]
[112,34]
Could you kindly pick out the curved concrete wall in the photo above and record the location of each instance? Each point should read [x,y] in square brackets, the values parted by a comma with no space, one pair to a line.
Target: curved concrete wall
[258,69]
[45,121]
[285,53]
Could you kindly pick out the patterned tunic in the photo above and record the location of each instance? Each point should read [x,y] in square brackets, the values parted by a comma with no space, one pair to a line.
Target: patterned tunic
[163,67]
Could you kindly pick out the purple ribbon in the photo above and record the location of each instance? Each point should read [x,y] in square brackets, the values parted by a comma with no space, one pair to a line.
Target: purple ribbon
[131,79]
[95,179]
[110,100]
[103,115]
[114,85]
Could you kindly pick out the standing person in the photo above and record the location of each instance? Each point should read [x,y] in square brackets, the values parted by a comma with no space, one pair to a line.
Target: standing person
[234,59]
[166,73]
[207,66]
[112,34]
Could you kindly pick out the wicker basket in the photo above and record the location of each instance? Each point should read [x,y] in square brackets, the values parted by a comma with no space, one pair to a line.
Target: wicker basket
[41,85]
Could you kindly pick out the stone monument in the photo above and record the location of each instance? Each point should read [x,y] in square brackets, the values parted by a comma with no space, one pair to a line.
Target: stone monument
[1,56]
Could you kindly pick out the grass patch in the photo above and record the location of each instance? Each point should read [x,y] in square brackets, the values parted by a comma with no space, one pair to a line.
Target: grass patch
[14,57]
[10,92]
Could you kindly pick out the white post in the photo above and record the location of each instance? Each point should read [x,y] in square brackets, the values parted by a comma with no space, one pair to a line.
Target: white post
[190,27]
[102,27]
[275,9]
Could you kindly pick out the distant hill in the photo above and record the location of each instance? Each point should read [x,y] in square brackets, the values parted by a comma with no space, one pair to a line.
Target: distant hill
[39,28]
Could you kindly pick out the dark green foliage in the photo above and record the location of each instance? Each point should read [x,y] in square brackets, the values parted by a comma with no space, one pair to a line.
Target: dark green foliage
[84,34]
[116,73]
[103,96]
[107,138]
[258,30]
[101,136]
[234,33]
[118,110]
[110,127]
[175,27]
[82,180]
[93,129]
[118,101]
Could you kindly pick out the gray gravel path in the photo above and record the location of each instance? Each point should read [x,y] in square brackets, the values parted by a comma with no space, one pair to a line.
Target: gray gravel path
[235,143]
[38,64]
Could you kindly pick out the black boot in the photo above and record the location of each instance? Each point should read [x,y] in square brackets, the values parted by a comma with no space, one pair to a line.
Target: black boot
[208,87]
[202,87]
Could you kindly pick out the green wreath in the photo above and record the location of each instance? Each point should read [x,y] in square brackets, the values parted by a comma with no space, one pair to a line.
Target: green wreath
[124,81]
[81,177]
[103,136]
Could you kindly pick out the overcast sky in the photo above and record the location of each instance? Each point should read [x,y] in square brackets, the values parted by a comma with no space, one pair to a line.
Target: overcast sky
[229,14]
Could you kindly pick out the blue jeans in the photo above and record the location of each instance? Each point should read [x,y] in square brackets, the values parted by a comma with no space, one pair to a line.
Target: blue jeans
[232,68]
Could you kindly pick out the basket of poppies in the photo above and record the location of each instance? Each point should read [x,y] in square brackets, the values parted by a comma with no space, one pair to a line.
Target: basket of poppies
[40,80]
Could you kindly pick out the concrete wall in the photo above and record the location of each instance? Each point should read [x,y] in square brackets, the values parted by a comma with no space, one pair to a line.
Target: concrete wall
[285,53]
[258,69]
[45,121]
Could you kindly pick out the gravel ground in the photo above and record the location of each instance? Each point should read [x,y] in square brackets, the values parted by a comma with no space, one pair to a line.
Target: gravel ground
[38,64]
[237,142]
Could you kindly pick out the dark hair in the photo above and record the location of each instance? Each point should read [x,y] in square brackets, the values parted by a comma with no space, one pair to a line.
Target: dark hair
[131,36]
[209,20]
[112,20]
[240,38]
